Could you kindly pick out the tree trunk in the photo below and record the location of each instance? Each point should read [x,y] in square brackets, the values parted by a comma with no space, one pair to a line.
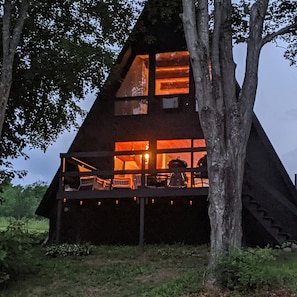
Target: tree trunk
[5,85]
[225,114]
[10,39]
[225,170]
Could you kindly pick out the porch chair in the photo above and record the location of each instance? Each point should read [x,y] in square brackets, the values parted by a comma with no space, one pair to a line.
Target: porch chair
[122,183]
[92,182]
[201,177]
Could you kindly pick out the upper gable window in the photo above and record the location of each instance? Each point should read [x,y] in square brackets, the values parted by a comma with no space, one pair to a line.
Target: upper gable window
[172,73]
[135,83]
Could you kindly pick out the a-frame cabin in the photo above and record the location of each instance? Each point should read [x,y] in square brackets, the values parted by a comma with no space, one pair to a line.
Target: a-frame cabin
[135,172]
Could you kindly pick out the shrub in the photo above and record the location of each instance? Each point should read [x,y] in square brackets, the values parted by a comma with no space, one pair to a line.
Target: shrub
[15,243]
[67,249]
[250,269]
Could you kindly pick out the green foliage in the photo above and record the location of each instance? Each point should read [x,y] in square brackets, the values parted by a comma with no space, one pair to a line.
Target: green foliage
[15,246]
[117,271]
[19,202]
[179,286]
[250,269]
[68,249]
[66,50]
[113,271]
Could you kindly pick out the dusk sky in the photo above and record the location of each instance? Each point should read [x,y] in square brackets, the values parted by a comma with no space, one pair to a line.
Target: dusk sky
[276,108]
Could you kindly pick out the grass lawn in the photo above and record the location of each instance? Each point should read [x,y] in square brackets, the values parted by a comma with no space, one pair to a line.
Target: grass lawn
[114,271]
[31,225]
[126,271]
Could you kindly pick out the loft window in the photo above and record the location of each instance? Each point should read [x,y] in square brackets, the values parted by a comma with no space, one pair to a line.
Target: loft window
[172,73]
[135,83]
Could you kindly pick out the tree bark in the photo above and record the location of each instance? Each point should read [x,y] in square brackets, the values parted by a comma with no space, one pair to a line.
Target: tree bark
[225,115]
[10,38]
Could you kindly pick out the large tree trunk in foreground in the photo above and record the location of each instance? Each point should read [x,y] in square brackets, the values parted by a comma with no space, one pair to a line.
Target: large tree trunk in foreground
[10,39]
[225,113]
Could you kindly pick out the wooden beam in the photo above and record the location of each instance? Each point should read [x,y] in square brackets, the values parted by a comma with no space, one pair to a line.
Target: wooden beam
[127,193]
[141,221]
[58,222]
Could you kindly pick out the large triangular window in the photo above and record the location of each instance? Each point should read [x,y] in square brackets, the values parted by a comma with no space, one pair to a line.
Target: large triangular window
[135,83]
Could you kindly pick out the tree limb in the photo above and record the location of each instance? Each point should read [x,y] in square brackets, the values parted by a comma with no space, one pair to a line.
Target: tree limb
[17,31]
[283,31]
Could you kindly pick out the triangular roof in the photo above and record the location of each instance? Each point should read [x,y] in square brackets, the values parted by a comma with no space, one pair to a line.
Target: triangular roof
[266,184]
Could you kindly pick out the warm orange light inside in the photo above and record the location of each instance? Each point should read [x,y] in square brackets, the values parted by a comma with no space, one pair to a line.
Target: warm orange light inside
[146,158]
[99,203]
[172,73]
[64,200]
[171,202]
[191,202]
[117,202]
[153,201]
[81,202]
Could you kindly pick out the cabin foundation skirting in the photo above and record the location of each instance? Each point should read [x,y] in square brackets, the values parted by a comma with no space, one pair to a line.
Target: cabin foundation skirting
[133,221]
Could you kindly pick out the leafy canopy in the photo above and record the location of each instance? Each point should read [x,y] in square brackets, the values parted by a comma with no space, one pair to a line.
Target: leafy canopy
[65,51]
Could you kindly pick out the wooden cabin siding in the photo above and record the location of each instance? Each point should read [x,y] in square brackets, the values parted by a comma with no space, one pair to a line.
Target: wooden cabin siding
[119,224]
[266,184]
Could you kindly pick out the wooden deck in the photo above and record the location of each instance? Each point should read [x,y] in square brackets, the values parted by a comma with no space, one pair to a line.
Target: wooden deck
[139,193]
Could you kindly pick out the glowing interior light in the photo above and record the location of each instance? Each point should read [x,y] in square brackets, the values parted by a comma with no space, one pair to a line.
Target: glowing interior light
[81,202]
[191,202]
[134,198]
[99,203]
[117,202]
[64,200]
[153,201]
[146,157]
[171,202]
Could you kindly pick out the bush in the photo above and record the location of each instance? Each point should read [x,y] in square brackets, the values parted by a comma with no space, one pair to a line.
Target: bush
[15,243]
[246,270]
[67,249]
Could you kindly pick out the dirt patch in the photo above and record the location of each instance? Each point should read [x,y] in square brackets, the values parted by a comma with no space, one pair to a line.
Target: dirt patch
[159,276]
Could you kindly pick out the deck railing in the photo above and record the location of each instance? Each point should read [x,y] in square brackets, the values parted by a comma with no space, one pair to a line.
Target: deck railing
[144,177]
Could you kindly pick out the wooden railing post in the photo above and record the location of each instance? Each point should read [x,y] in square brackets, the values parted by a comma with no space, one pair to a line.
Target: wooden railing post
[141,221]
[59,219]
[60,200]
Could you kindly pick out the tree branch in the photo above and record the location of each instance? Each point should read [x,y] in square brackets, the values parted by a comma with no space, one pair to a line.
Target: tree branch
[6,27]
[283,31]
[250,83]
[17,31]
